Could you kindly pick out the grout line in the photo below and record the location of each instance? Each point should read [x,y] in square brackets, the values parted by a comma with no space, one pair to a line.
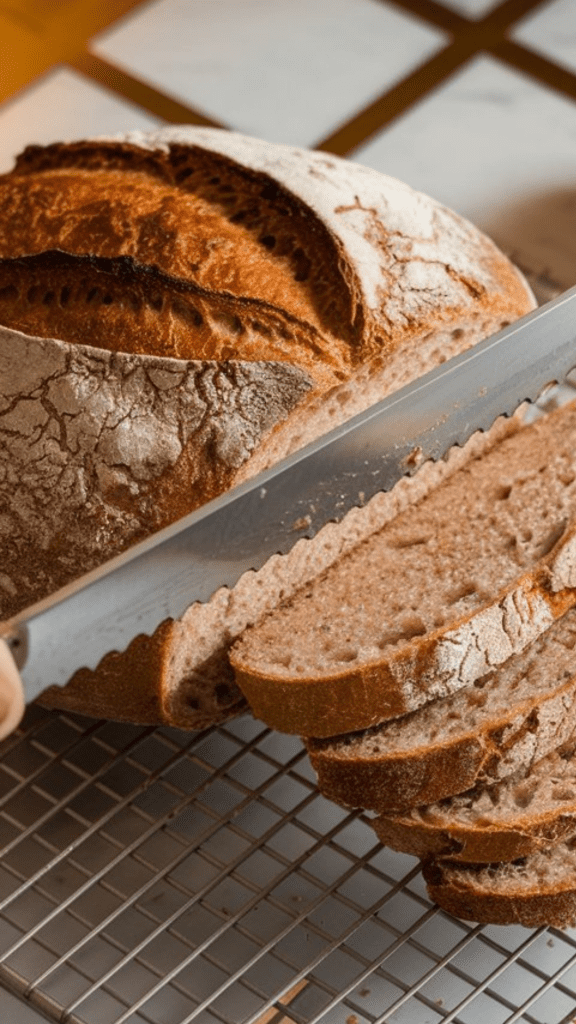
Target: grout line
[537,66]
[496,21]
[390,104]
[137,91]
[474,38]
[470,37]
[508,12]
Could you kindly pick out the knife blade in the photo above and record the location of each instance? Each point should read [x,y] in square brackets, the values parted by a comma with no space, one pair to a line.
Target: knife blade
[212,547]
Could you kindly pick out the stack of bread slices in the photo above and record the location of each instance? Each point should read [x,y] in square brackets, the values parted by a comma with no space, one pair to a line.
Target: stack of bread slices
[182,309]
[447,643]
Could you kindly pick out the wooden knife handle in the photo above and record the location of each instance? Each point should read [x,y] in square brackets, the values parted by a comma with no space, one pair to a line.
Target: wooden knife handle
[12,701]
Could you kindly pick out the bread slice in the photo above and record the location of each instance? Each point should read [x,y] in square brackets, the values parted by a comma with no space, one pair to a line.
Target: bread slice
[511,718]
[532,810]
[537,891]
[450,589]
[181,309]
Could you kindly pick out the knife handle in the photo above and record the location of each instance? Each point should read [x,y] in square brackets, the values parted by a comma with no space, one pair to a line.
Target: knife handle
[12,701]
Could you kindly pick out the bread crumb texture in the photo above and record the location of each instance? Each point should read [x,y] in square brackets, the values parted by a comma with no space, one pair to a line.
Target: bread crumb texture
[504,723]
[532,809]
[458,583]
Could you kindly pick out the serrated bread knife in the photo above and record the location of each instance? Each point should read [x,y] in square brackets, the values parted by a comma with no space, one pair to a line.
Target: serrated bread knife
[212,547]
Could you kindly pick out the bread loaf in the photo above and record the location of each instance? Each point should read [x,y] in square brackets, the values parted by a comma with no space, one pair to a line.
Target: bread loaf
[181,309]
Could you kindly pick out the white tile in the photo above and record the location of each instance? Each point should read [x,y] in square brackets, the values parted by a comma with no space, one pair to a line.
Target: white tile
[471,8]
[551,31]
[500,149]
[64,105]
[284,70]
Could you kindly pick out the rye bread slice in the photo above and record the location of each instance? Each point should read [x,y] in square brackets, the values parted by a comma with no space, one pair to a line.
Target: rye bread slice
[510,719]
[537,891]
[442,595]
[530,811]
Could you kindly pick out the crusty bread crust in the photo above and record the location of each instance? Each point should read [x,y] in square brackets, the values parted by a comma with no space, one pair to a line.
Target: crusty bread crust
[422,775]
[483,844]
[99,449]
[294,274]
[363,770]
[464,892]
[524,826]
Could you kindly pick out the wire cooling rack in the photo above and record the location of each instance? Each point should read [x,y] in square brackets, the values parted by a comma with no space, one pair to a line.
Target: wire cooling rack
[151,876]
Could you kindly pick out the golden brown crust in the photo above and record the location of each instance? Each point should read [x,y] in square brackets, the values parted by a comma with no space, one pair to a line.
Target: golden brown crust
[190,212]
[527,812]
[388,784]
[461,895]
[519,715]
[103,301]
[426,774]
[481,844]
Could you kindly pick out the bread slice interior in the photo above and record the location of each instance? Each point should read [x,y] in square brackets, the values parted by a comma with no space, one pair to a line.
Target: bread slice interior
[405,617]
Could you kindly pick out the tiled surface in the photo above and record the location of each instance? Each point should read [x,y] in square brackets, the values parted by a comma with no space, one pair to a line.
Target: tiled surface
[551,31]
[284,70]
[64,105]
[499,148]
[177,879]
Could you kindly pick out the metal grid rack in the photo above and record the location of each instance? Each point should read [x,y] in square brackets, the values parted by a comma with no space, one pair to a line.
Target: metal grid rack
[157,877]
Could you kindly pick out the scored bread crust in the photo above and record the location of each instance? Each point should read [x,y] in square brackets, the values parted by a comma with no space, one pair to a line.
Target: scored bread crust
[539,891]
[297,276]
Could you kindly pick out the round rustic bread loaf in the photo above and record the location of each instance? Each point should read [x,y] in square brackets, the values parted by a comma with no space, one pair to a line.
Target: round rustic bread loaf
[181,309]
